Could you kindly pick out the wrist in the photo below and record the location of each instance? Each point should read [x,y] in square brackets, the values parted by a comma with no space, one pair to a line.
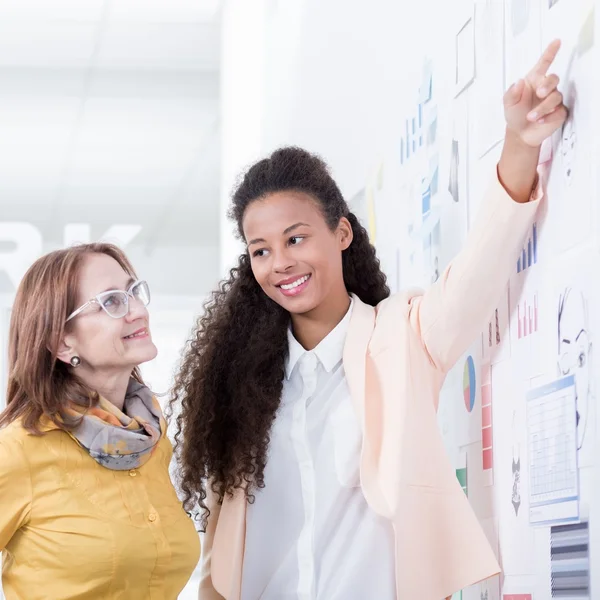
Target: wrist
[517,142]
[517,169]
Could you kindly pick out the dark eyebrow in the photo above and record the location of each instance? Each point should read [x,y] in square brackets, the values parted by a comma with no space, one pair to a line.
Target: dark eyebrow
[295,226]
[285,232]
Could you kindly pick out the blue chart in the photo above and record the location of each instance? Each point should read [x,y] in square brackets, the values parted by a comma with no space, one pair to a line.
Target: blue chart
[413,136]
[528,256]
[425,197]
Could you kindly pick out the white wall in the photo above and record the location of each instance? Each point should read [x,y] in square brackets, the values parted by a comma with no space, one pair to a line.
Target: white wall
[323,75]
[337,73]
[332,77]
[242,105]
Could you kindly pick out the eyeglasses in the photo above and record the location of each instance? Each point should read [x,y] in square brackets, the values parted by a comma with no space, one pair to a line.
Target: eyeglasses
[115,303]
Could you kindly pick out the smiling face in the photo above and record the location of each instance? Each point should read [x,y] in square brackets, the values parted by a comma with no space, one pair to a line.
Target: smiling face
[102,342]
[296,257]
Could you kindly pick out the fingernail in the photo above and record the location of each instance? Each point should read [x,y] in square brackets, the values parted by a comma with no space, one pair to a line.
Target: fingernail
[542,92]
[532,116]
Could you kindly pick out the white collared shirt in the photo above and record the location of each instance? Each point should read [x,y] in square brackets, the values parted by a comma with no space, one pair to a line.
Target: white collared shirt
[310,533]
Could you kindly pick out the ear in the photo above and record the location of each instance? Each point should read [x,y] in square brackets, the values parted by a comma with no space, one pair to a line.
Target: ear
[65,350]
[345,232]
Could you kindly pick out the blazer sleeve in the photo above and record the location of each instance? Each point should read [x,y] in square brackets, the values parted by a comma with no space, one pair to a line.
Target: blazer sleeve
[15,490]
[206,589]
[453,311]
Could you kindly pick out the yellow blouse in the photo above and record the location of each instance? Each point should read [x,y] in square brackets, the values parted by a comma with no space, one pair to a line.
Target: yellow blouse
[71,528]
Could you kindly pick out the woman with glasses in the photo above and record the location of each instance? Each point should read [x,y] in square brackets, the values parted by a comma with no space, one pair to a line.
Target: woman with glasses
[88,508]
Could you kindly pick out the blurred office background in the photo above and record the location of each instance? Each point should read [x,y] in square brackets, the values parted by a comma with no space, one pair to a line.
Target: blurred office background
[110,129]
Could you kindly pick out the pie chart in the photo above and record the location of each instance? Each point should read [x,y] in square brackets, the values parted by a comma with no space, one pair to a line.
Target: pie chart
[469,384]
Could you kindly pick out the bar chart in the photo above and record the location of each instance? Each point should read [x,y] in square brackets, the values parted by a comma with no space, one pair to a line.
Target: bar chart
[527,316]
[425,197]
[528,256]
[413,137]
[486,419]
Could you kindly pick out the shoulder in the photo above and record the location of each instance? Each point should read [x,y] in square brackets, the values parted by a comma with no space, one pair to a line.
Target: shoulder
[399,303]
[394,320]
[14,434]
[19,445]
[12,451]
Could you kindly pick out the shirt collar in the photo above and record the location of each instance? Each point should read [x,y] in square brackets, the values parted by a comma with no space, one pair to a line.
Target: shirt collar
[329,351]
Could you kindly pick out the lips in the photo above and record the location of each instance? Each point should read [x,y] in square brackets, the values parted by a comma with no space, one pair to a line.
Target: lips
[294,285]
[291,283]
[140,333]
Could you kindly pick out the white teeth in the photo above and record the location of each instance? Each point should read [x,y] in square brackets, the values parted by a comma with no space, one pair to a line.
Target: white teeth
[291,286]
[133,335]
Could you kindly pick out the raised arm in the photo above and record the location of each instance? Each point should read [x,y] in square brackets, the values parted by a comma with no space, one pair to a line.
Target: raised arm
[534,110]
[453,311]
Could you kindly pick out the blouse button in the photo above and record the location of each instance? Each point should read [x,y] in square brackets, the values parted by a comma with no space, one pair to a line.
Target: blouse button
[132,473]
[152,517]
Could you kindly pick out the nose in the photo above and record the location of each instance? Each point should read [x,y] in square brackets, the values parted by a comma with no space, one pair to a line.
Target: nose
[136,310]
[282,261]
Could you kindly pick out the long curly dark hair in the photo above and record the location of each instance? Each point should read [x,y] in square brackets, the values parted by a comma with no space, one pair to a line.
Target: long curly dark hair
[229,385]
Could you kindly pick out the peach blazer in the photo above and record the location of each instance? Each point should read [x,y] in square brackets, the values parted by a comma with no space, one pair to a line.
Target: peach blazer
[395,358]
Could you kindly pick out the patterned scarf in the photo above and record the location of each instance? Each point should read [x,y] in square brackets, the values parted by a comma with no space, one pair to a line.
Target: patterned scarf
[121,440]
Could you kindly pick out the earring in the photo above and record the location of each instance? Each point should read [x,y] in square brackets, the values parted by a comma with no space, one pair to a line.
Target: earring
[75,361]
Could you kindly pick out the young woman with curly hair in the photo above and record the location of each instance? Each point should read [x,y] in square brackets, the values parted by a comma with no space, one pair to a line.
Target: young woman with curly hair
[308,394]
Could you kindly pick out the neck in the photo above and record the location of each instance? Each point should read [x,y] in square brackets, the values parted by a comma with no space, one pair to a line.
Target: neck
[312,327]
[112,386]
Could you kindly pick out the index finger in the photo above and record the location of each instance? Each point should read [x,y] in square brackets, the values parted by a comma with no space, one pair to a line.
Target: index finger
[547,58]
